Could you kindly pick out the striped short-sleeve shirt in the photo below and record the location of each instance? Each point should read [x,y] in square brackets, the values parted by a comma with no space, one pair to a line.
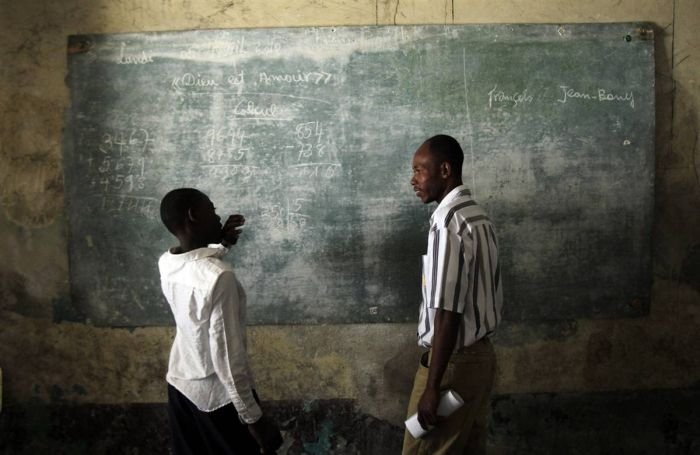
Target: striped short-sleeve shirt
[461,272]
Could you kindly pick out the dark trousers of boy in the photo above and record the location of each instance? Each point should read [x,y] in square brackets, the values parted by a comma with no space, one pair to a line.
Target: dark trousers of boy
[195,432]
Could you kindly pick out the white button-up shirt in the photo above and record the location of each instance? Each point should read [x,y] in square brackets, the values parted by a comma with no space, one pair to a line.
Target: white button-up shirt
[208,360]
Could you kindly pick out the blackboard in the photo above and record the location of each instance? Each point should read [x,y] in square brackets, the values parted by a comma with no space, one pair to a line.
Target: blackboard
[309,132]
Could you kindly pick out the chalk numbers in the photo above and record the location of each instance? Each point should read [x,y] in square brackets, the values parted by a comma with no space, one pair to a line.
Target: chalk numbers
[290,215]
[314,157]
[115,204]
[136,140]
[224,145]
[309,137]
[120,162]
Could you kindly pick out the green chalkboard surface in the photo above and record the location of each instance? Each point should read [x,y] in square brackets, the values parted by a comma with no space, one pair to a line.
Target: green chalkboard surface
[309,132]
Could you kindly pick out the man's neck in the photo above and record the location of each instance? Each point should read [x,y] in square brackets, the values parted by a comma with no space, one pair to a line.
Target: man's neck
[448,189]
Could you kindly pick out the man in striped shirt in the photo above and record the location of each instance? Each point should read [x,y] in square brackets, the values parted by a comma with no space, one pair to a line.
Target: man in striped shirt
[461,307]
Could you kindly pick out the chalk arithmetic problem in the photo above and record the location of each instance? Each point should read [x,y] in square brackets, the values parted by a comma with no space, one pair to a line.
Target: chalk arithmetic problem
[309,133]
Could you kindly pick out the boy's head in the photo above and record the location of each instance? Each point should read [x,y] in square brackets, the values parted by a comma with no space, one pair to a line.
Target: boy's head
[188,213]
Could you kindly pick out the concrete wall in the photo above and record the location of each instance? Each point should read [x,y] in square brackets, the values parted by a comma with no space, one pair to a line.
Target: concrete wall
[638,375]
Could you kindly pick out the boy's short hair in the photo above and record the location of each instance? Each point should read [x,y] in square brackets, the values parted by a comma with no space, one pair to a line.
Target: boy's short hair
[446,148]
[176,204]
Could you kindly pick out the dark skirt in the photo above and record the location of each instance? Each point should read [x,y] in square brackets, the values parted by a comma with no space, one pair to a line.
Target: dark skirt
[195,432]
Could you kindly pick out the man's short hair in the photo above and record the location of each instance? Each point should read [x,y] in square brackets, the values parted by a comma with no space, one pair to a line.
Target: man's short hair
[446,148]
[176,204]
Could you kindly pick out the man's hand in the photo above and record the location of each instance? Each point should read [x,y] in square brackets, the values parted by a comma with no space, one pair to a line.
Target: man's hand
[446,328]
[266,434]
[230,231]
[427,407]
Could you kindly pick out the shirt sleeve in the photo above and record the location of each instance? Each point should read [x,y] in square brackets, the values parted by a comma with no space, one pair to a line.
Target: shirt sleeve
[228,350]
[451,254]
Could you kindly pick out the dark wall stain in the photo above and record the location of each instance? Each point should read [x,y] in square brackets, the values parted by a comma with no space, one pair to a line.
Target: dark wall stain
[56,393]
[64,309]
[690,270]
[638,422]
[313,427]
[79,389]
[14,295]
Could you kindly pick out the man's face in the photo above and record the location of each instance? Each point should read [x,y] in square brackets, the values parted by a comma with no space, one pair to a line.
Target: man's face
[207,221]
[427,181]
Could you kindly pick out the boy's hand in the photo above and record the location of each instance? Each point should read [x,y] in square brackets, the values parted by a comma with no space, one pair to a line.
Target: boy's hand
[266,434]
[230,231]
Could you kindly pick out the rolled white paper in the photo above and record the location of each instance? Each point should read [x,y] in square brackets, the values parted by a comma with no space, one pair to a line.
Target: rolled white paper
[450,401]
[413,427]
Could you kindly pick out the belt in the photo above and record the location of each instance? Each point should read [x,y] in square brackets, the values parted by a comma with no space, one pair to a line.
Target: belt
[478,346]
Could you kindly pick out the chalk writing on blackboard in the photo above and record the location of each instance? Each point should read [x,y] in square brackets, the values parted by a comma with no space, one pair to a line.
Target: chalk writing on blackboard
[514,99]
[305,132]
[139,58]
[600,94]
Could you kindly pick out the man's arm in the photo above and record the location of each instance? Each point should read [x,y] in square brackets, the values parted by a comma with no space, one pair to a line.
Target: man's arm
[444,338]
[452,253]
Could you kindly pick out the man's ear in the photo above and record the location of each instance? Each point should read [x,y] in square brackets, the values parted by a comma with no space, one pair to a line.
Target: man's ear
[445,169]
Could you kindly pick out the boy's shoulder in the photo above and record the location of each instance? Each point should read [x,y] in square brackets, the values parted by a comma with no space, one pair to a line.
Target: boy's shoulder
[197,268]
[214,265]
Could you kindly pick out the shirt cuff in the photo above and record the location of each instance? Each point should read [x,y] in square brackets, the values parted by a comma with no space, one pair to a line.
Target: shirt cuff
[251,415]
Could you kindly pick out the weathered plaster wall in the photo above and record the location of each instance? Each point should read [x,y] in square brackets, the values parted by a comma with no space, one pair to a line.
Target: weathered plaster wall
[64,363]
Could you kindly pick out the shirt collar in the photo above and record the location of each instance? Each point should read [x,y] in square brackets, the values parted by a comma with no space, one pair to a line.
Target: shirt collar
[212,250]
[452,195]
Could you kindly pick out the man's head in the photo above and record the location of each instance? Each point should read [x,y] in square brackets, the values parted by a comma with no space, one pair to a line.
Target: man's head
[190,216]
[437,168]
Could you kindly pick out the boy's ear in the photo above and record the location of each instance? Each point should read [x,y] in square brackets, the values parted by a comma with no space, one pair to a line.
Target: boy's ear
[190,215]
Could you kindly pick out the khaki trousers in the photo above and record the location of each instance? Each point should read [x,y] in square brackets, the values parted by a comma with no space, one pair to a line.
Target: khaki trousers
[470,372]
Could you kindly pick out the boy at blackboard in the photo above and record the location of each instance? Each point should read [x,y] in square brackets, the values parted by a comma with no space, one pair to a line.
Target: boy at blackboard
[212,404]
[461,308]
